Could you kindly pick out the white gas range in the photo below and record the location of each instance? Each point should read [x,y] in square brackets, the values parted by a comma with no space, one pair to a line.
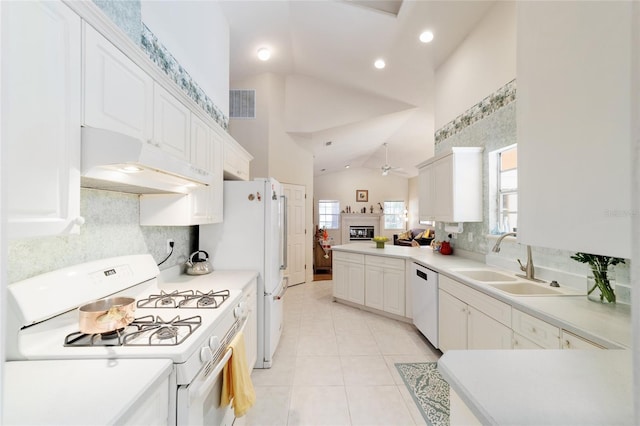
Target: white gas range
[173,320]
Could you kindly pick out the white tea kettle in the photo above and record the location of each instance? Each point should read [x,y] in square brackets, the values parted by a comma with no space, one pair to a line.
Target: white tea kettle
[198,266]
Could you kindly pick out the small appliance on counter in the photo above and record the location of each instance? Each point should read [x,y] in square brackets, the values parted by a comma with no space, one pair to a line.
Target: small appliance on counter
[198,266]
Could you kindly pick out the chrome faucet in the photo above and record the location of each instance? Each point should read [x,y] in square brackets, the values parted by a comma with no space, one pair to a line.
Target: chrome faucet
[496,247]
[528,269]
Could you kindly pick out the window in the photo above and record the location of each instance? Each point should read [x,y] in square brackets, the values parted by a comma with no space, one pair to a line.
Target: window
[329,214]
[395,215]
[505,187]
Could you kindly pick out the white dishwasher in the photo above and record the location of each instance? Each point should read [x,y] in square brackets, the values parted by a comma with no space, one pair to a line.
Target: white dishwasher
[424,284]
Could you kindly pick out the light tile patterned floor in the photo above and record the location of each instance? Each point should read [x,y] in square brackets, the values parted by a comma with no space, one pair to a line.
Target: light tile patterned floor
[335,366]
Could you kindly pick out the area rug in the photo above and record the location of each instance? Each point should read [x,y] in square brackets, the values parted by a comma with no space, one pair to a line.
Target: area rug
[428,389]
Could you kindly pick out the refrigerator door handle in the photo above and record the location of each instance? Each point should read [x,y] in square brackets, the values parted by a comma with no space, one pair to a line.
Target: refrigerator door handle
[285,286]
[284,240]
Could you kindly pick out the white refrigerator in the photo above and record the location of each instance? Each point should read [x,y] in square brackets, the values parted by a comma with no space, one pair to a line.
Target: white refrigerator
[253,236]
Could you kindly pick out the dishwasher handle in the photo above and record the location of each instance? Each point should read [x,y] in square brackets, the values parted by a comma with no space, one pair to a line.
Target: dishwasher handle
[422,274]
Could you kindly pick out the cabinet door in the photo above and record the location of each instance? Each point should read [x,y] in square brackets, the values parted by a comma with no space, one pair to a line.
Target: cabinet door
[443,176]
[574,125]
[393,295]
[41,117]
[236,165]
[251,329]
[201,144]
[426,193]
[484,332]
[571,341]
[452,322]
[374,287]
[340,278]
[118,95]
[171,124]
[520,342]
[217,195]
[356,284]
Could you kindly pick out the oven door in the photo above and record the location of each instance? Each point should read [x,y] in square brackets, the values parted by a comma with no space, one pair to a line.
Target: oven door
[198,403]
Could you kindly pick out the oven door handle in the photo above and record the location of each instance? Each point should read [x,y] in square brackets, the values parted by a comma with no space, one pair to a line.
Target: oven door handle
[213,375]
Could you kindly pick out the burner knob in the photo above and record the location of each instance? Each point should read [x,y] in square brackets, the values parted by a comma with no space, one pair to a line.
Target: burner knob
[206,355]
[241,310]
[214,343]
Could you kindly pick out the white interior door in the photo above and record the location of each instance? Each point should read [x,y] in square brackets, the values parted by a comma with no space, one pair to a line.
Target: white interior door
[296,234]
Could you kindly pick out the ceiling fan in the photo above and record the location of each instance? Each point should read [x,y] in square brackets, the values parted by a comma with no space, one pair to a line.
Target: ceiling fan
[387,168]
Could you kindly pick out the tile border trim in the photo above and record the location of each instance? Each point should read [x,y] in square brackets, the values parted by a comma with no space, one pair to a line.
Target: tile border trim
[161,56]
[498,99]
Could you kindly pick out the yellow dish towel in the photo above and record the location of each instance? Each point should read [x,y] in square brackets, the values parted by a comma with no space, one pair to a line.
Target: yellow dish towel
[237,387]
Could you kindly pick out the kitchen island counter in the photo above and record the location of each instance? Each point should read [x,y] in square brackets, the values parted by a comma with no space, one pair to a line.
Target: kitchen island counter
[85,392]
[541,387]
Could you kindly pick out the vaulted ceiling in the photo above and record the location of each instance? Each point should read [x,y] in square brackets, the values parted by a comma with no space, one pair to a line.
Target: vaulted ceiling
[336,102]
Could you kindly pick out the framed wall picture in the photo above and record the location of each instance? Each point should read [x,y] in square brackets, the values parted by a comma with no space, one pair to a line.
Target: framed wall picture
[362,195]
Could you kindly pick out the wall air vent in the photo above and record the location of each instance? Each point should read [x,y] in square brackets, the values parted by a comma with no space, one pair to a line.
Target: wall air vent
[242,104]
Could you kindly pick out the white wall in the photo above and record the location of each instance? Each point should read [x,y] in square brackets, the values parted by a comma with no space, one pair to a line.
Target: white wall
[197,35]
[342,186]
[484,62]
[275,153]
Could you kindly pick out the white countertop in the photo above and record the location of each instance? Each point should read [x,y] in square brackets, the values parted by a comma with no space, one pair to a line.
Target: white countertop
[77,392]
[543,387]
[216,280]
[608,325]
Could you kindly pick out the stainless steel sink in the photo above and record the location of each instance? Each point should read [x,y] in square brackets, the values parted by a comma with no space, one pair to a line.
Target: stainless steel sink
[487,275]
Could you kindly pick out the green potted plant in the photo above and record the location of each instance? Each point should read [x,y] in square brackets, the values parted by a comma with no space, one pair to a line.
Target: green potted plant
[601,279]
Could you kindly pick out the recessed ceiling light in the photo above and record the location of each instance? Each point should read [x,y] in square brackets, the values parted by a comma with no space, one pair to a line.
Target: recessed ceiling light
[347,166]
[379,63]
[426,37]
[264,54]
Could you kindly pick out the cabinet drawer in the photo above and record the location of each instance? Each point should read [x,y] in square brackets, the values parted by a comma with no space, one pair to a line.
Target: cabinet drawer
[494,308]
[348,257]
[520,342]
[385,262]
[536,330]
[571,341]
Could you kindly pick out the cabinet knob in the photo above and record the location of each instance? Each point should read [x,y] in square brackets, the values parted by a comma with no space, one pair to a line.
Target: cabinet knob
[533,330]
[79,221]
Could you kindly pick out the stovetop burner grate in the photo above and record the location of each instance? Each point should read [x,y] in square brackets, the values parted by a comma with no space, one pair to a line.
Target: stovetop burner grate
[144,331]
[185,299]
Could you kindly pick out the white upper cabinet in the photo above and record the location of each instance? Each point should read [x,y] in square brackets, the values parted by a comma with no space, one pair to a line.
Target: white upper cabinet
[450,186]
[236,161]
[171,124]
[574,126]
[118,94]
[201,206]
[41,68]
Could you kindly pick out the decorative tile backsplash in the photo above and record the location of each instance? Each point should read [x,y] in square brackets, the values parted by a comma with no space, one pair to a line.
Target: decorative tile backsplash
[111,229]
[492,124]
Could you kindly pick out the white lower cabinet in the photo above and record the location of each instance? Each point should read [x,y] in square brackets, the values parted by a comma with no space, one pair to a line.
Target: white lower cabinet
[348,277]
[571,341]
[536,330]
[452,322]
[251,329]
[483,332]
[385,284]
[468,319]
[521,342]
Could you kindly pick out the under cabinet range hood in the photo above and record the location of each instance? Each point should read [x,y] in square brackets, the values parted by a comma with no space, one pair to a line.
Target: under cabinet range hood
[117,162]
